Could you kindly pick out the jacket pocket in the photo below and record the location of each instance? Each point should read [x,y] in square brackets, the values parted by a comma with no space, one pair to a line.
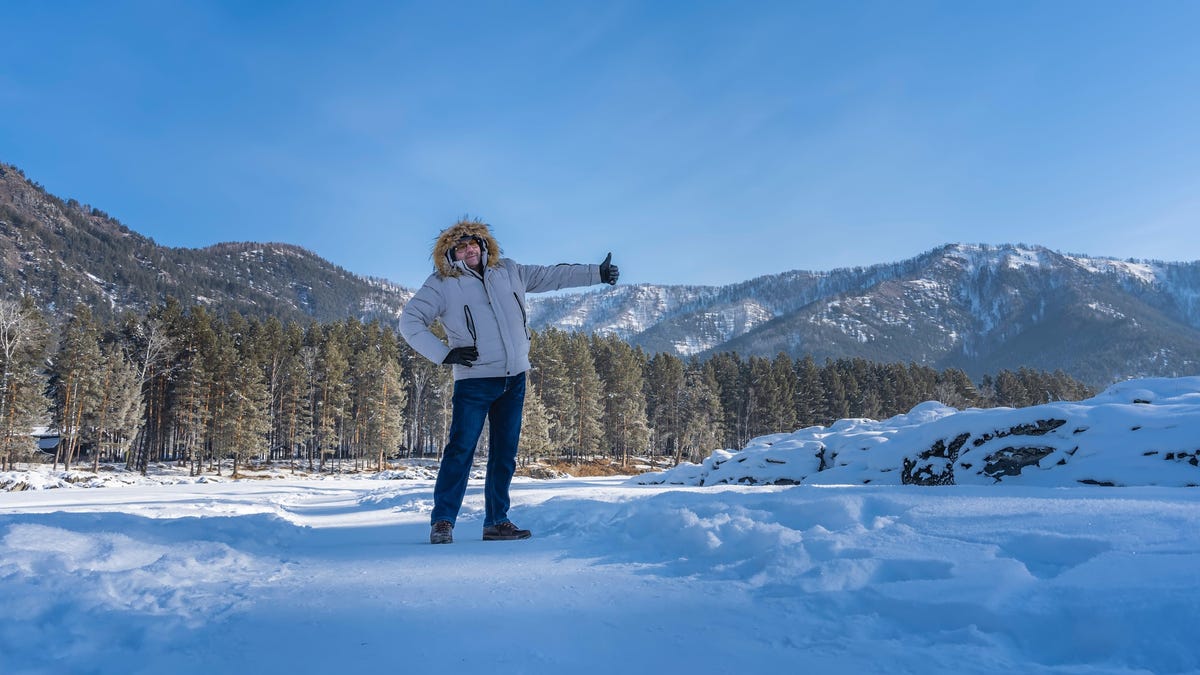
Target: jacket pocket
[524,317]
[470,321]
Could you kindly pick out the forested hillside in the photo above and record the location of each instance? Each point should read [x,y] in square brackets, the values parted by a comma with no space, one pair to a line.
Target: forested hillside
[978,308]
[180,384]
[60,253]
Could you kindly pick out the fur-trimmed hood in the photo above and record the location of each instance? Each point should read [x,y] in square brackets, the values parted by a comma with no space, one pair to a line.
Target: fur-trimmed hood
[443,249]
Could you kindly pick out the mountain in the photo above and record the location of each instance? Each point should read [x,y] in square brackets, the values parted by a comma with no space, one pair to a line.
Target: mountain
[976,307]
[63,252]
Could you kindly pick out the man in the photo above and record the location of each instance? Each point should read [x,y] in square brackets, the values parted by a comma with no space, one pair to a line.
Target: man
[480,299]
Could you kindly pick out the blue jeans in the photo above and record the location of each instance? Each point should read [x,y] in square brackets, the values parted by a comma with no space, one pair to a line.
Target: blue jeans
[500,400]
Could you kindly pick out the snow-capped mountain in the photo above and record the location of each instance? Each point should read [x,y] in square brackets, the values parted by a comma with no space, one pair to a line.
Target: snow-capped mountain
[977,307]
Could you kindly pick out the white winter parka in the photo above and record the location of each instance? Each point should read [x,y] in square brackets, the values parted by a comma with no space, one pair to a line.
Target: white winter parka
[488,310]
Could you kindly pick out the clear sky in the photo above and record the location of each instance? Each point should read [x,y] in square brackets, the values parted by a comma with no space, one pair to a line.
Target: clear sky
[701,142]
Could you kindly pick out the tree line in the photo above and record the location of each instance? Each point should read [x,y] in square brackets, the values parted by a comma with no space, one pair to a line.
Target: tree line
[183,385]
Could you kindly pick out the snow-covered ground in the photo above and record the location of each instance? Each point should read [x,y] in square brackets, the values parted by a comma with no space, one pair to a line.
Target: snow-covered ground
[329,575]
[1135,433]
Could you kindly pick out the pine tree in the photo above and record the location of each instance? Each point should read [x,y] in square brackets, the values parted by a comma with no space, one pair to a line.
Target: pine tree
[1067,388]
[836,405]
[987,391]
[364,364]
[155,341]
[428,389]
[267,345]
[809,399]
[900,392]
[727,372]
[925,381]
[783,403]
[621,370]
[535,425]
[1039,386]
[76,383]
[120,411]
[763,398]
[247,403]
[293,421]
[1009,390]
[664,402]
[869,404]
[551,378]
[23,339]
[391,395]
[955,389]
[191,404]
[865,400]
[393,398]
[585,408]
[700,432]
[377,394]
[851,387]
[331,395]
[221,397]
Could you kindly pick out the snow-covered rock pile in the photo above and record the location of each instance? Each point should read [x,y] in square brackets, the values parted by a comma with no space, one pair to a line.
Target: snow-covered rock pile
[46,479]
[19,481]
[408,473]
[1139,432]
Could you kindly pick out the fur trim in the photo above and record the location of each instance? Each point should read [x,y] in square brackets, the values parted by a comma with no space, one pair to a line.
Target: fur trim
[472,227]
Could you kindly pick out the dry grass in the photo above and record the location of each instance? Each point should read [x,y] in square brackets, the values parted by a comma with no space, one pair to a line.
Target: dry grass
[594,467]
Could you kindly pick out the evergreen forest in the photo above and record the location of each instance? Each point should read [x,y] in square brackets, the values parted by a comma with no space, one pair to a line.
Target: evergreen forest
[183,385]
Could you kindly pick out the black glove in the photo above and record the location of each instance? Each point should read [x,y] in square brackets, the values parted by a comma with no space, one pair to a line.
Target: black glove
[609,273]
[463,356]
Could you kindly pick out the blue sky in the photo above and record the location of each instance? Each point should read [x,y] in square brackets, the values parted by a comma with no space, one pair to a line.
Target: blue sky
[701,142]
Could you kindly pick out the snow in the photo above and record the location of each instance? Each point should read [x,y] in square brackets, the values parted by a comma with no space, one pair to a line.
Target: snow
[1135,433]
[1105,309]
[308,575]
[1145,272]
[1023,257]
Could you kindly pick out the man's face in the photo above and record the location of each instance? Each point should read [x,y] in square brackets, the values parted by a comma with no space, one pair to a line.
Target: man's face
[467,250]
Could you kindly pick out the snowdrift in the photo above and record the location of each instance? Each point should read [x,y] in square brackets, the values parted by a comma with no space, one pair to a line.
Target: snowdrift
[1139,432]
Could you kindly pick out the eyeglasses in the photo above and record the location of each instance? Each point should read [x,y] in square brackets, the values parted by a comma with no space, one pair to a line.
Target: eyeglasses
[466,243]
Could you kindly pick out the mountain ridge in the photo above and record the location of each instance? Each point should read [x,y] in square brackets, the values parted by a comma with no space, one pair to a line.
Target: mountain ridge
[62,252]
[978,307]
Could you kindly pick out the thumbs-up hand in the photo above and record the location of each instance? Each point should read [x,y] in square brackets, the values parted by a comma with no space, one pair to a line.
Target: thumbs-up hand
[609,273]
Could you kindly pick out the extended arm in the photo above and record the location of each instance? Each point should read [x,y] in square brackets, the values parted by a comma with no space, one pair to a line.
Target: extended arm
[539,278]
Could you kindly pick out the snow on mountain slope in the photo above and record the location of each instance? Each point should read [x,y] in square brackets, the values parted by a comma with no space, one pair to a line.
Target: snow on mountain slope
[977,307]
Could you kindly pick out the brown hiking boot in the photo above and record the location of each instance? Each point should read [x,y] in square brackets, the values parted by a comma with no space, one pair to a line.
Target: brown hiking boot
[505,531]
[442,533]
